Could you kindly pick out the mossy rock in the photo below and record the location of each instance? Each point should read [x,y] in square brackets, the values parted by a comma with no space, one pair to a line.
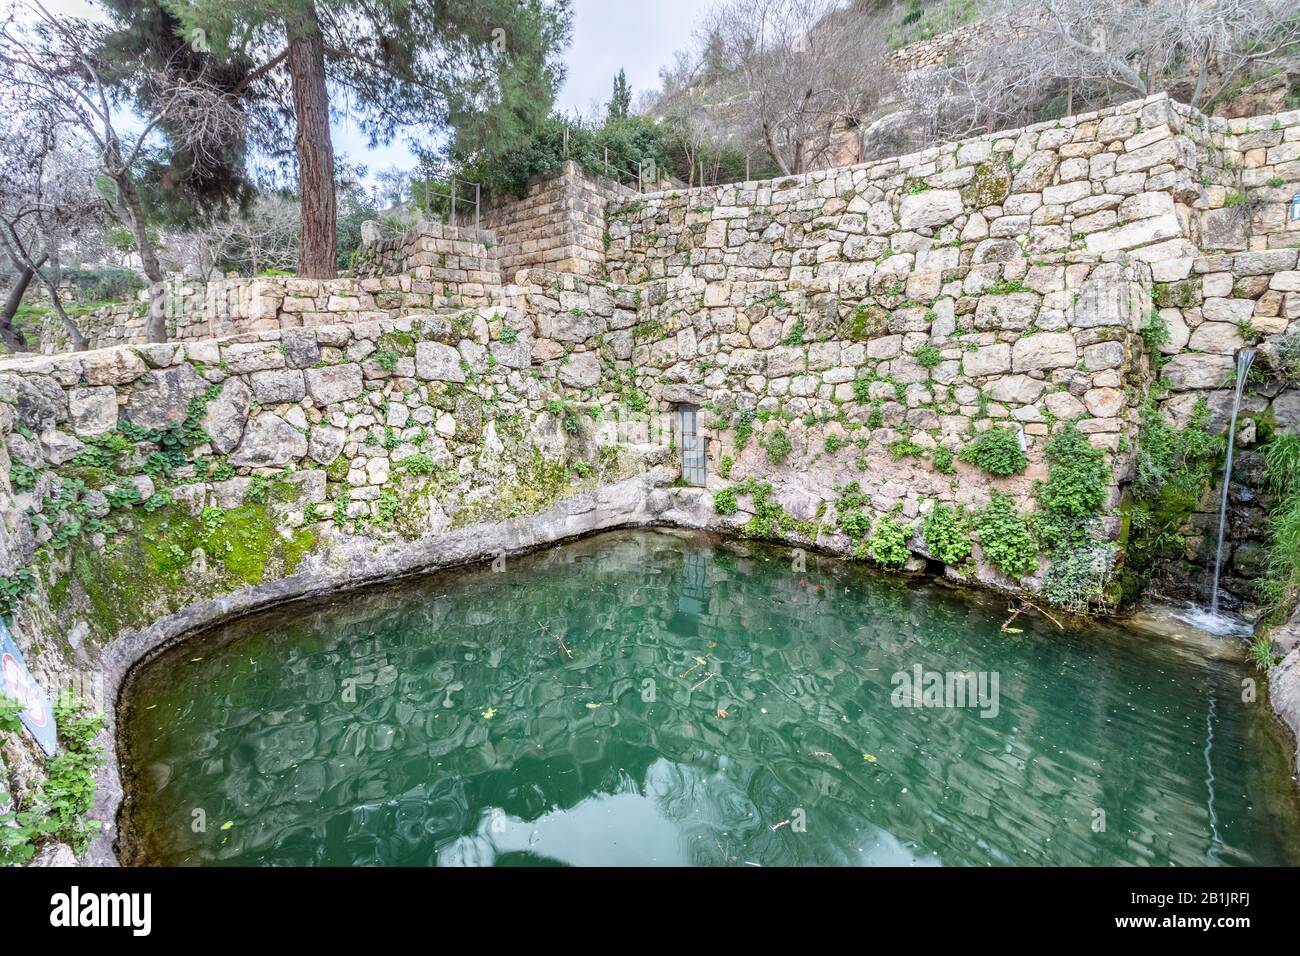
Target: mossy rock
[864,322]
[1176,295]
[153,571]
[990,186]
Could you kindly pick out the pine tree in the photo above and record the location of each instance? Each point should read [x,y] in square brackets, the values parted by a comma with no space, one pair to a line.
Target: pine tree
[620,102]
[486,68]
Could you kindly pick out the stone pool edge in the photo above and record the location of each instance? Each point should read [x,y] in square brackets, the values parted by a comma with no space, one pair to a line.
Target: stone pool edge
[644,500]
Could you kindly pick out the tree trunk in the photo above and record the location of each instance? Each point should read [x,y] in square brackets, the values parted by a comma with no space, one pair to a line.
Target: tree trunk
[23,259]
[316,246]
[772,150]
[155,327]
[10,337]
[79,342]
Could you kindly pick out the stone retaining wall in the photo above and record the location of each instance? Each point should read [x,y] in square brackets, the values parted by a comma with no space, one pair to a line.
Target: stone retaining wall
[558,225]
[460,259]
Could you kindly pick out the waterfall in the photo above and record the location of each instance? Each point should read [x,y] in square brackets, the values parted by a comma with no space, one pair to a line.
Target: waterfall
[1244,358]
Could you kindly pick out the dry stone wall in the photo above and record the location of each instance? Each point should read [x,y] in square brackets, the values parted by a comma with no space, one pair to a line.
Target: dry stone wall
[906,305]
[558,225]
[880,317]
[459,259]
[203,310]
[1238,288]
[388,428]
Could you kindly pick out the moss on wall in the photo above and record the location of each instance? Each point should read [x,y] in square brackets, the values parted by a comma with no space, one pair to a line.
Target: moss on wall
[172,559]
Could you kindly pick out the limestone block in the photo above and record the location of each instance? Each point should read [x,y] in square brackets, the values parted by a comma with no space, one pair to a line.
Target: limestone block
[115,366]
[932,207]
[247,357]
[1221,337]
[278,385]
[1016,389]
[987,360]
[160,398]
[1044,350]
[1135,234]
[1104,402]
[1103,355]
[269,441]
[338,383]
[225,416]
[93,409]
[1227,310]
[1064,405]
[1198,370]
[325,443]
[582,370]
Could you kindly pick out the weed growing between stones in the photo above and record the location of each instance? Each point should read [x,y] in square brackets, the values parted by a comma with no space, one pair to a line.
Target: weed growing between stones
[1005,537]
[887,545]
[1078,480]
[943,460]
[1281,582]
[778,446]
[1173,468]
[1070,501]
[996,451]
[947,534]
[56,813]
[853,520]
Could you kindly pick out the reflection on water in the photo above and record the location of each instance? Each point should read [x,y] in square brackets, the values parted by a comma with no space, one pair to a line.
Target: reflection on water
[661,699]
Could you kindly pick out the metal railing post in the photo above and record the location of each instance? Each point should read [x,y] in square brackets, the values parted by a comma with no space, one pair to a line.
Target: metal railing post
[476,205]
[452,217]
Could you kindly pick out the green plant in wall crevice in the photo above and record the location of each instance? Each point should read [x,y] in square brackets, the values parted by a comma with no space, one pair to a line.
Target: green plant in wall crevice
[1005,537]
[1173,468]
[887,544]
[947,534]
[1074,493]
[65,793]
[996,451]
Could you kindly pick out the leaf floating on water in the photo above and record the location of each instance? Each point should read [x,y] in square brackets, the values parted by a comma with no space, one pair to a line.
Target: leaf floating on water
[869,758]
[489,713]
[228,824]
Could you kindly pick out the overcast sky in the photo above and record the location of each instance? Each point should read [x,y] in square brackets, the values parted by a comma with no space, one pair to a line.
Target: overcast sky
[607,34]
[639,37]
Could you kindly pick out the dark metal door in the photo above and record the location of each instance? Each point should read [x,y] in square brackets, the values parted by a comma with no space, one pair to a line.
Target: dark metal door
[694,460]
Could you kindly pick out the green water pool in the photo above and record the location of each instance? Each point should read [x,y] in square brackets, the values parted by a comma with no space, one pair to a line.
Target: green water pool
[660,698]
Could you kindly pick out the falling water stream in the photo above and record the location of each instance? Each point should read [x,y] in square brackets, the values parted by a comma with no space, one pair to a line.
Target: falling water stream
[1244,358]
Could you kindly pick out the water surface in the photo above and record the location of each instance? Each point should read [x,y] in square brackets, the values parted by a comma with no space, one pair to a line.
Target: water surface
[648,697]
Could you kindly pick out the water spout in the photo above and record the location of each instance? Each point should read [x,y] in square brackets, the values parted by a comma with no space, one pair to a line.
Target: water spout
[1244,358]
